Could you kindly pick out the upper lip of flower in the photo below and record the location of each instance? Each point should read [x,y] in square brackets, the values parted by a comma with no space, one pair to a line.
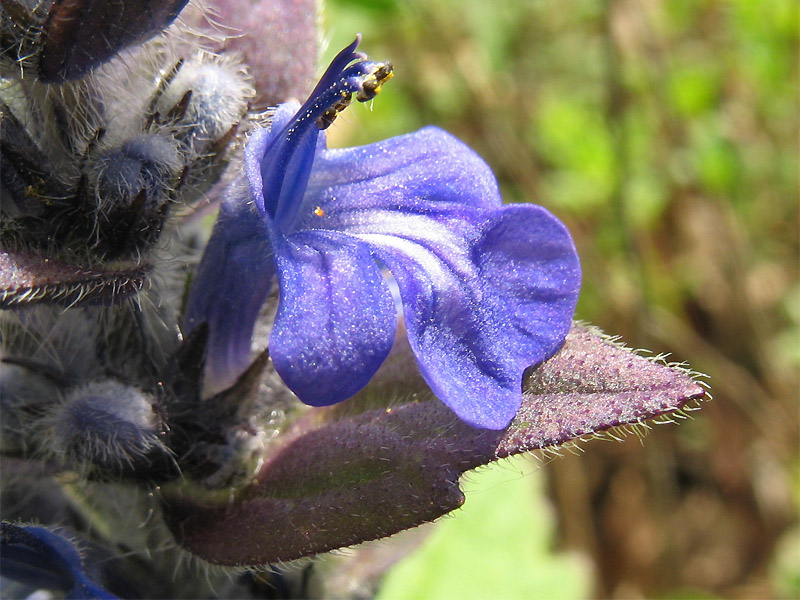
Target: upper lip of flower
[487,290]
[287,159]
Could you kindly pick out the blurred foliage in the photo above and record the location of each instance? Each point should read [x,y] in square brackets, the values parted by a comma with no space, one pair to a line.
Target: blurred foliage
[665,134]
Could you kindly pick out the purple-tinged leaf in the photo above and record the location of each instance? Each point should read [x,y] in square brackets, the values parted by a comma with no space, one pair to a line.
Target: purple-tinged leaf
[29,278]
[355,472]
[79,35]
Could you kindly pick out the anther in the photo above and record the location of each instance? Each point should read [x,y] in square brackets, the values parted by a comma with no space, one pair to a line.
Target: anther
[372,84]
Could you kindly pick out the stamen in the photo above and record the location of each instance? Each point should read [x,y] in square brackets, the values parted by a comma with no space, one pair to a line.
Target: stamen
[287,160]
[368,85]
[372,85]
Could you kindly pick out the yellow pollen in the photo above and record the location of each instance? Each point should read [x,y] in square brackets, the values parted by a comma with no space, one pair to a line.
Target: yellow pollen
[318,211]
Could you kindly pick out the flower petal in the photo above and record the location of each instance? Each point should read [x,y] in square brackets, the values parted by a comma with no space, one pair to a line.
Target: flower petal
[486,293]
[528,261]
[278,176]
[479,312]
[231,284]
[336,319]
[428,172]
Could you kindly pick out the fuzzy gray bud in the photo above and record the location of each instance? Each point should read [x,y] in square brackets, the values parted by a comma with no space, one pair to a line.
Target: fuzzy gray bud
[133,185]
[103,423]
[212,93]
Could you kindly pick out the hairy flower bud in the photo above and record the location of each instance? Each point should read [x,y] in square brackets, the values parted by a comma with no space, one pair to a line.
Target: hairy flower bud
[133,184]
[103,423]
[212,95]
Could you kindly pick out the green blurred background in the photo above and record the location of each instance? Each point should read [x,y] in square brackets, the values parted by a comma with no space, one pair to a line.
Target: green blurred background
[665,134]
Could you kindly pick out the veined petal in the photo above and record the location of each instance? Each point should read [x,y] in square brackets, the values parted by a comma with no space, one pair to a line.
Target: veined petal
[487,291]
[479,313]
[428,172]
[336,319]
[231,284]
[528,261]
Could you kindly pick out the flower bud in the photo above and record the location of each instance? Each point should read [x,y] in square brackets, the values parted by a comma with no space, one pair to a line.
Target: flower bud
[103,423]
[212,95]
[133,184]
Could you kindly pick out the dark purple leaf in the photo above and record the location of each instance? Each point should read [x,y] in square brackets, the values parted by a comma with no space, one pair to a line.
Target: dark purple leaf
[29,278]
[350,473]
[79,35]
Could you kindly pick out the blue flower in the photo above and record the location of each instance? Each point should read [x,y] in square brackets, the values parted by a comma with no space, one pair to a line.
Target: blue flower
[487,290]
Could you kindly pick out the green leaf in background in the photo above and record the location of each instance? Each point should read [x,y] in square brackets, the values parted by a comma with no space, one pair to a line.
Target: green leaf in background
[577,145]
[694,89]
[499,545]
